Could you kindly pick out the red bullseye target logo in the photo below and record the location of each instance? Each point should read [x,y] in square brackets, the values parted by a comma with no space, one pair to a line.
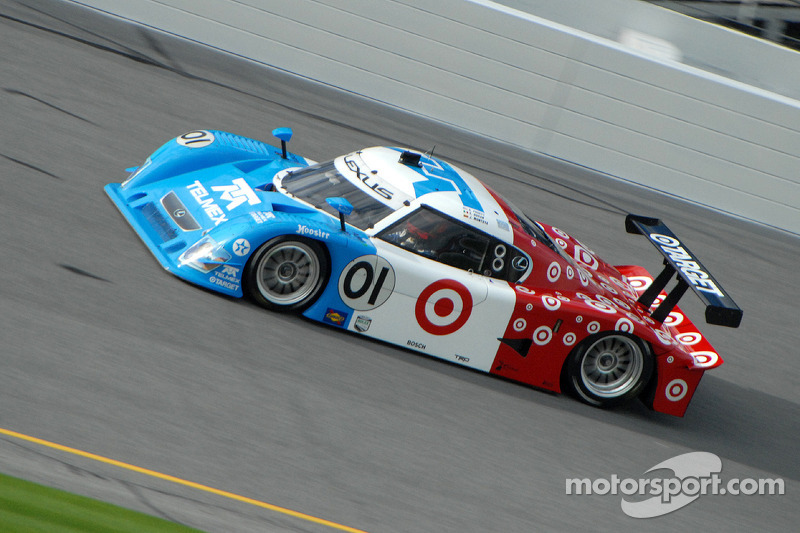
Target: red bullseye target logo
[443,307]
[705,359]
[676,390]
[553,272]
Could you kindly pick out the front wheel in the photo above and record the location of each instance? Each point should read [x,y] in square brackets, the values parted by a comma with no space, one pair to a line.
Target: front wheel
[287,274]
[609,368]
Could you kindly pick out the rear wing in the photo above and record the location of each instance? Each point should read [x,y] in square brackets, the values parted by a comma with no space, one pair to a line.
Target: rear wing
[720,308]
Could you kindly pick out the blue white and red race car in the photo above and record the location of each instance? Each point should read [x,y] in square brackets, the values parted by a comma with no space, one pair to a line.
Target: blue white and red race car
[397,245]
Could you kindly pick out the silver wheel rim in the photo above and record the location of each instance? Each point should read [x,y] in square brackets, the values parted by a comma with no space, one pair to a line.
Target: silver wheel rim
[288,273]
[612,366]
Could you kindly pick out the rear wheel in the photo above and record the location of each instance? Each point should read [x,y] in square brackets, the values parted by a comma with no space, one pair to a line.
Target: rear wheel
[609,368]
[287,274]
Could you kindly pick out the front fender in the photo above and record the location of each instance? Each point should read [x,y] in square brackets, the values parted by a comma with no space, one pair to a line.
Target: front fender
[239,239]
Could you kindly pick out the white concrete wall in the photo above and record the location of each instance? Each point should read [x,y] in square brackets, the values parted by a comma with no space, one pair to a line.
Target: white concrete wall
[710,47]
[526,81]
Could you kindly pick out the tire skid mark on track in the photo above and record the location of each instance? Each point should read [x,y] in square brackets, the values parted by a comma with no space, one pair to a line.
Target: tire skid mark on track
[81,272]
[30,166]
[16,92]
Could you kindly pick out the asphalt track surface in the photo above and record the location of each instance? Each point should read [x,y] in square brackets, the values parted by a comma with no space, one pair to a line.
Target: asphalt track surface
[104,352]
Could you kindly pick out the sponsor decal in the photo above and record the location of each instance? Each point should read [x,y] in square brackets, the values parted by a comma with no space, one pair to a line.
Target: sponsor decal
[227,273]
[313,232]
[553,272]
[676,390]
[624,325]
[196,139]
[443,307]
[689,338]
[551,303]
[362,323]
[224,284]
[705,359]
[520,263]
[664,336]
[366,282]
[476,215]
[227,277]
[584,276]
[674,319]
[461,358]
[241,247]
[621,304]
[230,272]
[237,193]
[542,335]
[262,216]
[585,257]
[201,194]
[337,318]
[686,263]
[602,304]
[639,283]
[609,287]
[415,344]
[368,179]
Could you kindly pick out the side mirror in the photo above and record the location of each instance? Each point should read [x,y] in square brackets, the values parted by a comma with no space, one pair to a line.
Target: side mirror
[342,206]
[285,135]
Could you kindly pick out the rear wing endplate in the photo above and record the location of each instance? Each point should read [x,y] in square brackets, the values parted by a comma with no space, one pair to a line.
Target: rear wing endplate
[720,308]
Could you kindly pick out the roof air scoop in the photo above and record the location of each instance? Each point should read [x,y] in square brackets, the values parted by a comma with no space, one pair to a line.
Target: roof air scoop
[411,159]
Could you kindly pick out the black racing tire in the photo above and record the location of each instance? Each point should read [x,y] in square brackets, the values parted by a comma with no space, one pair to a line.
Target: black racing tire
[287,273]
[609,368]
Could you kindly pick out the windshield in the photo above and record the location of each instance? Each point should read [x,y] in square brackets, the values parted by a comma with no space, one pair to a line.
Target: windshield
[436,236]
[530,227]
[318,182]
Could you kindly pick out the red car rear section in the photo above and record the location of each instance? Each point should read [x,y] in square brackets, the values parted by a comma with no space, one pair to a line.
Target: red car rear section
[572,297]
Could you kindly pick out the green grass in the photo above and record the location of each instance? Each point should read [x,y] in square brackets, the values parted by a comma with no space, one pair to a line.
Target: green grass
[30,508]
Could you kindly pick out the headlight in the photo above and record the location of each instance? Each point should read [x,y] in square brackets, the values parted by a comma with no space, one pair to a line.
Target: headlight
[205,255]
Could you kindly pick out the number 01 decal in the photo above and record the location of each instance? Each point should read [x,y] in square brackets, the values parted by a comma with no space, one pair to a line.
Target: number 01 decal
[366,282]
[196,139]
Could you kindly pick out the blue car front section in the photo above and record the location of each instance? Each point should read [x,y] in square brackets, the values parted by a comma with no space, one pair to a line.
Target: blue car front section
[203,204]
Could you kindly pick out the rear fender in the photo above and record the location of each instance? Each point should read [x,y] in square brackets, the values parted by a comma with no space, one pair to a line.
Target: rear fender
[671,388]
